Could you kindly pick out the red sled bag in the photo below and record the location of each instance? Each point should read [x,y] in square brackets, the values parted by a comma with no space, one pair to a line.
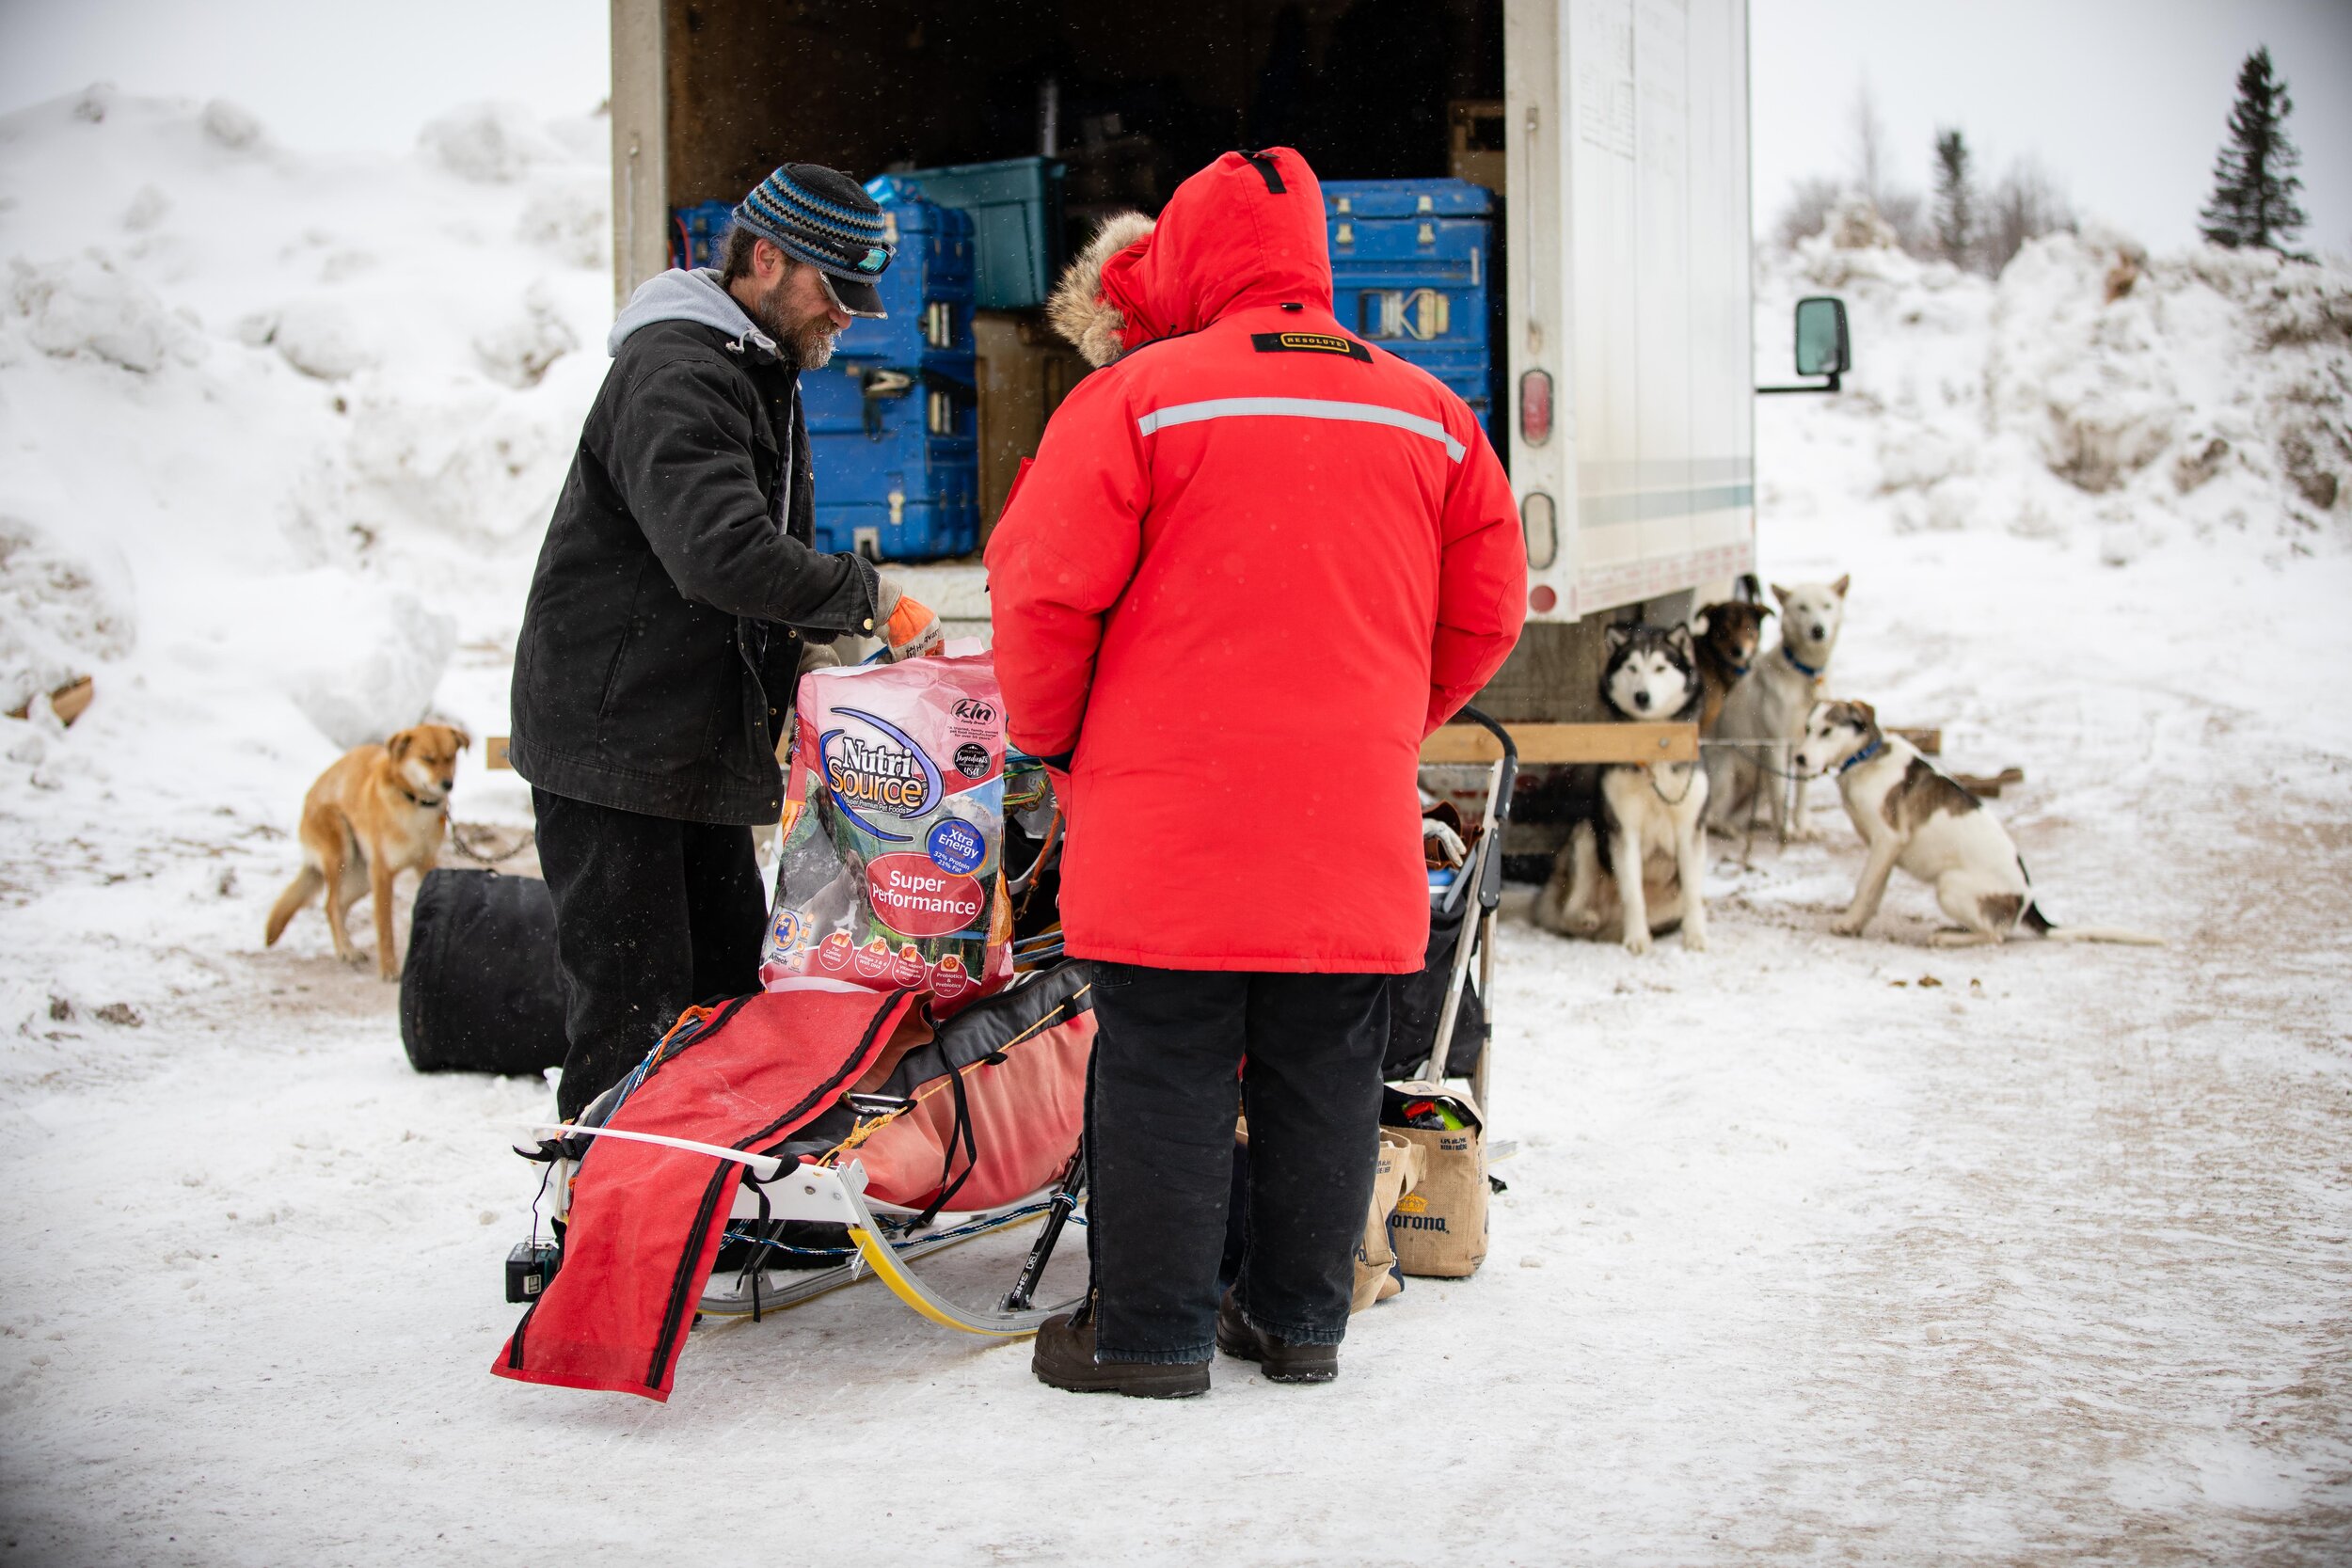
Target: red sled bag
[648,1220]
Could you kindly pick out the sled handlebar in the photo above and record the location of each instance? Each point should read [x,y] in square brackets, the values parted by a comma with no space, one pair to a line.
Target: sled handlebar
[1510,759]
[1498,810]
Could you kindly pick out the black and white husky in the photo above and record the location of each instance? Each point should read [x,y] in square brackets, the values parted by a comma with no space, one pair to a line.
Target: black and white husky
[1912,815]
[1632,856]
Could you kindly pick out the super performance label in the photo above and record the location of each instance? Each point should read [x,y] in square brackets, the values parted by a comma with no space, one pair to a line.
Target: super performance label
[911,894]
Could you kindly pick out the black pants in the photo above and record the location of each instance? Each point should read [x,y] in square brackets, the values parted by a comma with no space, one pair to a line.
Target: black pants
[651,917]
[1162,1093]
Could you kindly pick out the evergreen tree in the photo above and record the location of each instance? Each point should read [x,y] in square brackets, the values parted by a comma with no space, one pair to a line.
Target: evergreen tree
[2254,179]
[1955,200]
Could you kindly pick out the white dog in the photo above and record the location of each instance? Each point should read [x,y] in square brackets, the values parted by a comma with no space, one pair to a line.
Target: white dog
[1764,712]
[1912,815]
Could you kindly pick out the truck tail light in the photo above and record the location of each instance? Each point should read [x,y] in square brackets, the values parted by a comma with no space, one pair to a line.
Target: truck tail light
[1539,524]
[1536,407]
[1542,600]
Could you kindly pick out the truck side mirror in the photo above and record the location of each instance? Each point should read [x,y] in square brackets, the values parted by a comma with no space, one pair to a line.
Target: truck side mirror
[1822,346]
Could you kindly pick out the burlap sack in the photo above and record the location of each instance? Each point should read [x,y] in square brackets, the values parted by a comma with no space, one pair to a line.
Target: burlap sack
[1375,1274]
[1440,1228]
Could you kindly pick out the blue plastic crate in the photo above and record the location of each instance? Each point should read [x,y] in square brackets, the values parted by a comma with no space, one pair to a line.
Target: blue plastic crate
[898,456]
[1016,210]
[695,232]
[927,290]
[1413,270]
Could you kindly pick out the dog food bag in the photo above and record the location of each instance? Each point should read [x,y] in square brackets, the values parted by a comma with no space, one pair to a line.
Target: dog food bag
[889,872]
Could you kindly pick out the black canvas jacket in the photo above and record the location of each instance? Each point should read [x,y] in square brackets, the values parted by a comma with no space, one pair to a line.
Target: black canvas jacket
[678,584]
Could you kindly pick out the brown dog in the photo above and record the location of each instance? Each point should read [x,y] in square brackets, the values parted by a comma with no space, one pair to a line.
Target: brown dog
[1730,634]
[379,811]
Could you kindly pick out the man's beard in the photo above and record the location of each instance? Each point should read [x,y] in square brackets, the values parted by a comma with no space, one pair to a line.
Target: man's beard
[805,344]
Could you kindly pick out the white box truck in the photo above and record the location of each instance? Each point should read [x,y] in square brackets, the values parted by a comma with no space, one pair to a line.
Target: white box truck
[1624,337]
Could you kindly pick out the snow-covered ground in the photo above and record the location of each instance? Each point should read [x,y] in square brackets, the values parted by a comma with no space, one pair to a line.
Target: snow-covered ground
[1804,1257]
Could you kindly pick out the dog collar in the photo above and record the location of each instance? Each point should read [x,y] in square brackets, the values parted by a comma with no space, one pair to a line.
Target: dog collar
[418,800]
[1741,669]
[1859,757]
[1803,667]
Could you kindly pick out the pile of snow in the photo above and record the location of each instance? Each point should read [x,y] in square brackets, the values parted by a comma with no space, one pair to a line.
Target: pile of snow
[282,434]
[2092,388]
[2149,454]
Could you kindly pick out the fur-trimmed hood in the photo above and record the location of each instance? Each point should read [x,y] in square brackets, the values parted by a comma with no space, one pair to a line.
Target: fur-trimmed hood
[1228,239]
[1077,308]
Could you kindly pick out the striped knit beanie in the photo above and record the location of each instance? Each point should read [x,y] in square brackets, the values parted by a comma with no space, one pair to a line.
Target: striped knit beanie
[821,216]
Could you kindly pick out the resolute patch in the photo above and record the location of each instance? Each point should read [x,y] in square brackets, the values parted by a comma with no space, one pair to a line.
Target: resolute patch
[1309,342]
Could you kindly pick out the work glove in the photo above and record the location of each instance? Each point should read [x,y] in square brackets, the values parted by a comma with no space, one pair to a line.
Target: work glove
[908,628]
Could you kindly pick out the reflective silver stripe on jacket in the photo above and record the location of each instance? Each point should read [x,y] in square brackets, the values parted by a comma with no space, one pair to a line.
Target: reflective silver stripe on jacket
[1301,408]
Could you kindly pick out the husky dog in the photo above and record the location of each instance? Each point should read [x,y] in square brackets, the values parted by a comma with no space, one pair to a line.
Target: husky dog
[1729,633]
[1633,850]
[1912,815]
[1766,711]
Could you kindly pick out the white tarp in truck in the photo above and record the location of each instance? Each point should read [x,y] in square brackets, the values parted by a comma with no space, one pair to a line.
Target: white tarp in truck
[1627,245]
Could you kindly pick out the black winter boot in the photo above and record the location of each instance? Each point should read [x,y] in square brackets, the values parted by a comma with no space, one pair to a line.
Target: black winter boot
[1278,1359]
[1064,1358]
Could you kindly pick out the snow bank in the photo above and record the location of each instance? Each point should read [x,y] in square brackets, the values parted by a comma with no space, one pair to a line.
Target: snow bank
[2094,389]
[359,659]
[2157,445]
[494,144]
[87,307]
[57,618]
[282,434]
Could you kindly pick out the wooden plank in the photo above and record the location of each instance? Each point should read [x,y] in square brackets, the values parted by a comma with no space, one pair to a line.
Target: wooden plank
[1552,743]
[494,753]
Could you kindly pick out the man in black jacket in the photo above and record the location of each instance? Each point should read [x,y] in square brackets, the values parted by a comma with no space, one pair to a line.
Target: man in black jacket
[675,601]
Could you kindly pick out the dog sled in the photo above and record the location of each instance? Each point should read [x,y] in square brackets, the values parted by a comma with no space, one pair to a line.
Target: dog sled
[777,1148]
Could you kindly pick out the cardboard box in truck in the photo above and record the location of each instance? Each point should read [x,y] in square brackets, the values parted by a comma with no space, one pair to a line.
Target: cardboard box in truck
[1024,373]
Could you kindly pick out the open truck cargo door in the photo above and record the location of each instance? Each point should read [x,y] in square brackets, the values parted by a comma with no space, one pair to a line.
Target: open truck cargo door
[1621,357]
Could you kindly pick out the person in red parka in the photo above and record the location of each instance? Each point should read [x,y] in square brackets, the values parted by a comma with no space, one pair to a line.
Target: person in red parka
[1255,562]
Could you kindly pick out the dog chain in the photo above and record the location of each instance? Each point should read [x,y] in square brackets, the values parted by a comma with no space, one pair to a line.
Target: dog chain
[1688,779]
[466,846]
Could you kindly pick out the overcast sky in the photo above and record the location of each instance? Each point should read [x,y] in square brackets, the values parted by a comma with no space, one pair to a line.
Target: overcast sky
[2123,101]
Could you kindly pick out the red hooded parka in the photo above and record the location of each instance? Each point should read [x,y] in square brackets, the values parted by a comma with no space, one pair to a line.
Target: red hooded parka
[1255,561]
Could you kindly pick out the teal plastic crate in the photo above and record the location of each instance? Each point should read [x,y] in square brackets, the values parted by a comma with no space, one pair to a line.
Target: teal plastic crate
[1016,208]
